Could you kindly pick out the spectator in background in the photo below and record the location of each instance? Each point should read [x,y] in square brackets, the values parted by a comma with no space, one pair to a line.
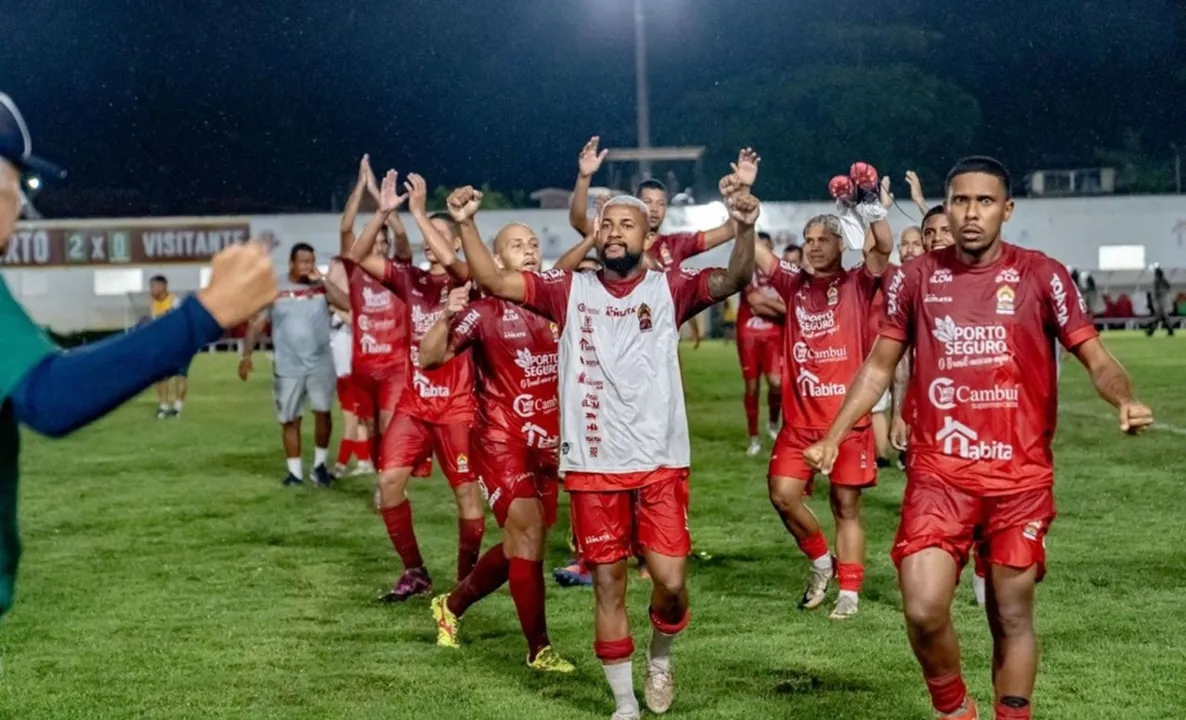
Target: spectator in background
[170,393]
[1161,304]
[794,255]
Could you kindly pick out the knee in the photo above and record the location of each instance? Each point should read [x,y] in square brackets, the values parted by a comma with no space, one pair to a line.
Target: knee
[785,499]
[609,584]
[525,530]
[774,382]
[1015,619]
[391,480]
[751,387]
[671,586]
[926,616]
[847,509]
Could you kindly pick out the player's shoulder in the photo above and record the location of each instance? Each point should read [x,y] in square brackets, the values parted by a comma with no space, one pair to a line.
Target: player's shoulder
[1032,260]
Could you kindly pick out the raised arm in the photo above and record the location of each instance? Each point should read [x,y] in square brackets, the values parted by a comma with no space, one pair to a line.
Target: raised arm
[578,205]
[744,209]
[435,348]
[880,240]
[441,246]
[765,305]
[920,200]
[362,251]
[401,246]
[337,286]
[1113,385]
[350,213]
[463,205]
[573,256]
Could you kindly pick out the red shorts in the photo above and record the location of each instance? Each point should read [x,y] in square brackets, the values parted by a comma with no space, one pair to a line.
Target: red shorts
[410,440]
[1008,530]
[508,472]
[605,522]
[373,396]
[347,398]
[759,356]
[856,465]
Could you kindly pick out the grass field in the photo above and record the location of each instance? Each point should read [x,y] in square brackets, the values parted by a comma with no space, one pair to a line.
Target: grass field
[168,575]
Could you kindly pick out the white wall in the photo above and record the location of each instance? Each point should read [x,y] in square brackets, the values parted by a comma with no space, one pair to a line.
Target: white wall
[1071,230]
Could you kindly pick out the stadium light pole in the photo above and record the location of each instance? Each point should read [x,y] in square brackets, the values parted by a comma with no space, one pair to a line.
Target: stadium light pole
[640,78]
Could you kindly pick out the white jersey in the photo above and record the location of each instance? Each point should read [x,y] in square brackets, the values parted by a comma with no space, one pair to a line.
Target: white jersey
[622,397]
[341,344]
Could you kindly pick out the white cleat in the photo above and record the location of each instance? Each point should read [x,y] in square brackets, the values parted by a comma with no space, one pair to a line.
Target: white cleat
[773,430]
[817,588]
[659,689]
[846,608]
[362,468]
[626,715]
[754,448]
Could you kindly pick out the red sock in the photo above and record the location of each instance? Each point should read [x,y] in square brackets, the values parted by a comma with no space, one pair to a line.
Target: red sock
[469,544]
[774,403]
[362,450]
[398,520]
[488,575]
[1008,712]
[948,693]
[814,547]
[751,413]
[526,578]
[850,576]
[345,449]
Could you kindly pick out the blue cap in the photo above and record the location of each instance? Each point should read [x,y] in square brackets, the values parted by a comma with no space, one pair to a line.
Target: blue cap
[17,147]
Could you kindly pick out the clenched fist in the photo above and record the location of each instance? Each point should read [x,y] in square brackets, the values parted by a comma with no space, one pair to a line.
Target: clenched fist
[463,203]
[457,301]
[744,208]
[1135,418]
[729,186]
[242,282]
[822,455]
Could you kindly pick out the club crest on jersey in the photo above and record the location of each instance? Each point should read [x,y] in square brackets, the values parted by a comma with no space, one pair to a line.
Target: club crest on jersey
[462,463]
[833,295]
[1033,530]
[664,254]
[644,318]
[555,331]
[1005,296]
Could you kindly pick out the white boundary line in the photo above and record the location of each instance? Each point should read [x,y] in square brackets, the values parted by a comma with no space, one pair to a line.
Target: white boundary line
[1109,416]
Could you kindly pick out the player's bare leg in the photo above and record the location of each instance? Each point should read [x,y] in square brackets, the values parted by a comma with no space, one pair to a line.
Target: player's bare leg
[850,549]
[471,526]
[774,404]
[1010,606]
[396,510]
[881,428]
[928,580]
[164,401]
[613,644]
[787,496]
[290,433]
[752,393]
[669,616]
[180,390]
[362,450]
[323,427]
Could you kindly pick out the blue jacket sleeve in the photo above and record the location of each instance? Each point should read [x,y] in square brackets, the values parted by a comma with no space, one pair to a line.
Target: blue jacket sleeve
[68,390]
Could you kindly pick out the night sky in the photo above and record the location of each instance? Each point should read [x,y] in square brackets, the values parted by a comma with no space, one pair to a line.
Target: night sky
[274,101]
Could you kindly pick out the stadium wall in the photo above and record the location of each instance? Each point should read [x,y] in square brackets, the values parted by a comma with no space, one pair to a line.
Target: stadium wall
[93,274]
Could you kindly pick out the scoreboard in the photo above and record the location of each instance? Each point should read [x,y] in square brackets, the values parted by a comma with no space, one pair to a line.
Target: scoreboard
[72,244]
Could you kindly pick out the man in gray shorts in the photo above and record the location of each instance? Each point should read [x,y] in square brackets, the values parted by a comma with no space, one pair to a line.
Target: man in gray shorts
[303,366]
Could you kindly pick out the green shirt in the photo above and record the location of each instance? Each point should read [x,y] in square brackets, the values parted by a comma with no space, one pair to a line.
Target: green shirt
[22,346]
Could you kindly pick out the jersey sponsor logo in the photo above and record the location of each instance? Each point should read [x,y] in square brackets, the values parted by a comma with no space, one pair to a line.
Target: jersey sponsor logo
[588,310]
[592,439]
[369,345]
[940,276]
[970,340]
[1009,275]
[592,427]
[692,273]
[756,322]
[373,300]
[802,353]
[1059,291]
[537,368]
[509,315]
[1005,297]
[961,441]
[893,293]
[944,394]
[616,312]
[527,405]
[586,346]
[423,321]
[590,401]
[815,324]
[933,299]
[537,436]
[584,379]
[810,385]
[425,388]
[366,323]
[553,275]
[589,362]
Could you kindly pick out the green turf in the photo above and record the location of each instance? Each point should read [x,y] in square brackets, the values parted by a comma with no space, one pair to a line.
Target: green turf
[168,575]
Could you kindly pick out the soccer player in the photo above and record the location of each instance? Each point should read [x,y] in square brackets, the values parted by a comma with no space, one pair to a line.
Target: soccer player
[303,366]
[669,250]
[794,255]
[982,317]
[354,442]
[518,428]
[436,412]
[826,339]
[625,450]
[759,347]
[56,393]
[170,393]
[936,230]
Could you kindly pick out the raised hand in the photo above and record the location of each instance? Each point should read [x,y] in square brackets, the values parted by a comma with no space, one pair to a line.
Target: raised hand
[389,202]
[590,159]
[365,175]
[744,208]
[458,300]
[887,198]
[915,188]
[417,194]
[1135,418]
[746,167]
[463,203]
[729,185]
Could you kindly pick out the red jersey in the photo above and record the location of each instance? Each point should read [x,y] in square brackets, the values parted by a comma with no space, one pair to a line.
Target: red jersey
[444,395]
[380,324]
[671,250]
[877,312]
[984,383]
[515,358]
[751,324]
[827,340]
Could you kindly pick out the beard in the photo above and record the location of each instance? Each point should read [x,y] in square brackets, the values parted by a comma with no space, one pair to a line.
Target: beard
[623,264]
